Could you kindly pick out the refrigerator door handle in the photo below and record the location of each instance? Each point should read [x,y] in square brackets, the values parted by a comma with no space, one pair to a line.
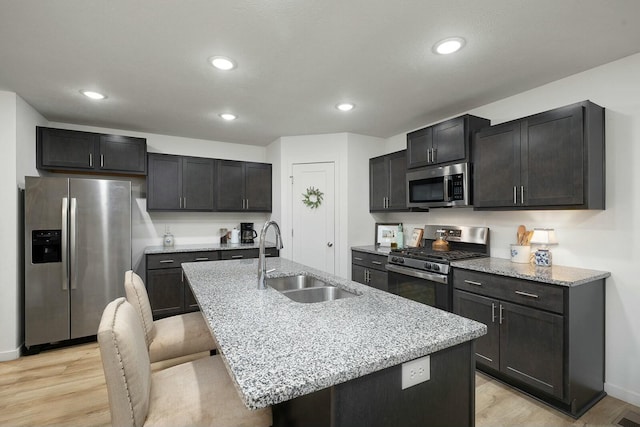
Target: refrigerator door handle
[64,244]
[72,244]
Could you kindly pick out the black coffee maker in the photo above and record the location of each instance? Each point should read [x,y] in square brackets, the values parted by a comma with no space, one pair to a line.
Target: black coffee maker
[247,233]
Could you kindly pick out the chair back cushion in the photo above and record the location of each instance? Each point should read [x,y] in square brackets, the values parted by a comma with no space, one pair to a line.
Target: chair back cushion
[137,296]
[126,365]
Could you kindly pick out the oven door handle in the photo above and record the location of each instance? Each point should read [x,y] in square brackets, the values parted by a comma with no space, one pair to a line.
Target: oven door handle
[440,278]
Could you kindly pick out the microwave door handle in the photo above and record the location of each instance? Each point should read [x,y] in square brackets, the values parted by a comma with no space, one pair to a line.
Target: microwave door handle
[447,183]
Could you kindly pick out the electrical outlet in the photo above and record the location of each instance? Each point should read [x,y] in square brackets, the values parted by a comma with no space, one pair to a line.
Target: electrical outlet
[415,372]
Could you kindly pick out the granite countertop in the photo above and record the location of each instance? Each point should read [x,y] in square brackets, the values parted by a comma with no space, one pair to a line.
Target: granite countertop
[555,274]
[277,349]
[197,247]
[372,249]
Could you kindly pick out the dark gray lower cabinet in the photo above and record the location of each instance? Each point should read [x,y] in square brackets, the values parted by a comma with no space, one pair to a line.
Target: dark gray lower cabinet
[169,294]
[369,269]
[545,339]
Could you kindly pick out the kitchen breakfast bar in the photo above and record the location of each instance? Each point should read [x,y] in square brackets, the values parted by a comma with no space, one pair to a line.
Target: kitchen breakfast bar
[338,362]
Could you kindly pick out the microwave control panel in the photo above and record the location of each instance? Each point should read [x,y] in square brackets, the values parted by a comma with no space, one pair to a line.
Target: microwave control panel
[457,184]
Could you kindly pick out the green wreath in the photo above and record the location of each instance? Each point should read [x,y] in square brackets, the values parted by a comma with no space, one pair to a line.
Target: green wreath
[312,198]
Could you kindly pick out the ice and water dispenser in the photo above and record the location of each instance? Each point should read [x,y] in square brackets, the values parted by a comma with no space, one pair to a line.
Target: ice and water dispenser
[46,246]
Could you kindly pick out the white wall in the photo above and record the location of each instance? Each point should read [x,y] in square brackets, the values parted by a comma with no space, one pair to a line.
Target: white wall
[17,139]
[601,240]
[350,154]
[9,290]
[361,224]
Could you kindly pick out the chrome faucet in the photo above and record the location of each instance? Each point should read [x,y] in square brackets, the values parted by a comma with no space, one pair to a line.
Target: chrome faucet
[262,261]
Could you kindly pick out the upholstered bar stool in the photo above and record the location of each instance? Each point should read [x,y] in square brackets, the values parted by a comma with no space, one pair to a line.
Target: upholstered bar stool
[196,393]
[171,340]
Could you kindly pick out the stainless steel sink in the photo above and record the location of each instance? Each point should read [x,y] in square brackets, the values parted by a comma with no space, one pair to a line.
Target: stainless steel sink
[307,289]
[301,281]
[325,293]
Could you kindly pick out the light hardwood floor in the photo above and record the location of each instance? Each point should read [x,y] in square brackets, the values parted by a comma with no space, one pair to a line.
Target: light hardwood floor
[66,387]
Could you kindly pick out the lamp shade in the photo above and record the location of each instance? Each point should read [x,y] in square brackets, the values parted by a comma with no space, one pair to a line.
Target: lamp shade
[544,236]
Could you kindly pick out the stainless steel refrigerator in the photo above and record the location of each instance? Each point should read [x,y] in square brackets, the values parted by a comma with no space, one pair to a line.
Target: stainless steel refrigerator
[77,249]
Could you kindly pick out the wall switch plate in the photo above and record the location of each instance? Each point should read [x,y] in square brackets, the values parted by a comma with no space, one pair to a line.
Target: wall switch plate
[416,372]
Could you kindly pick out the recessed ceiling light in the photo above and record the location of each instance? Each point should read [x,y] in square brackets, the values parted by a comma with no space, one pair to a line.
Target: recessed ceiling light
[93,95]
[222,63]
[228,116]
[345,106]
[449,45]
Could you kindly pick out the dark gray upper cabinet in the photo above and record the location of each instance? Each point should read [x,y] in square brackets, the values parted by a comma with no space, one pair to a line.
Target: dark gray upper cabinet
[62,149]
[387,182]
[445,142]
[180,183]
[123,153]
[243,186]
[551,160]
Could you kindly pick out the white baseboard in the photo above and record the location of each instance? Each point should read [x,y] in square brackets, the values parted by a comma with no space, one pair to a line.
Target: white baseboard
[629,396]
[9,355]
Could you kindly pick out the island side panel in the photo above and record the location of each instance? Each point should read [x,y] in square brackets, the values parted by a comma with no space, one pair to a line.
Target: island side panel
[377,399]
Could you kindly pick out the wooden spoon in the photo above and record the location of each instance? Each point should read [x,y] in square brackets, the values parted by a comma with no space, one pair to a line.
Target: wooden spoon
[521,233]
[527,237]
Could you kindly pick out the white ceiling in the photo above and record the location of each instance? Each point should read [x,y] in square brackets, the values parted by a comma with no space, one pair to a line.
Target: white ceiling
[296,60]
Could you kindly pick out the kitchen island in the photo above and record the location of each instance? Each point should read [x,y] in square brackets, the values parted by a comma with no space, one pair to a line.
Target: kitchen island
[336,362]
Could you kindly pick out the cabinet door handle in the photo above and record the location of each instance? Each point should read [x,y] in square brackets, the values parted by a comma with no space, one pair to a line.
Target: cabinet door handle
[357,259]
[526,294]
[237,256]
[493,312]
[247,203]
[471,282]
[522,194]
[434,152]
[185,202]
[101,160]
[501,314]
[515,195]
[428,155]
[201,259]
[90,160]
[368,276]
[376,262]
[166,261]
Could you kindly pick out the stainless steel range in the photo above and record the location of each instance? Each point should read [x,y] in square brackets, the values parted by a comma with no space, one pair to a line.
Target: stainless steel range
[423,274]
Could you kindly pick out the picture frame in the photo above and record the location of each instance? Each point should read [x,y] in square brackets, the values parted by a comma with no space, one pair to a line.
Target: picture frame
[386,233]
[415,240]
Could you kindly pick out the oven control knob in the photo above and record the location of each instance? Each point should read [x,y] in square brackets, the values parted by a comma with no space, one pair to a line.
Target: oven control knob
[397,259]
[435,267]
[427,266]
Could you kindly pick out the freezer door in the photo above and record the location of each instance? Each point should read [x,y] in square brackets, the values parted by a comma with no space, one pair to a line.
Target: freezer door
[99,248]
[46,291]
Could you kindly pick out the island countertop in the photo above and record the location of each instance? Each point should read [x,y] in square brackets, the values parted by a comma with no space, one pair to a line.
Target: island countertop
[278,349]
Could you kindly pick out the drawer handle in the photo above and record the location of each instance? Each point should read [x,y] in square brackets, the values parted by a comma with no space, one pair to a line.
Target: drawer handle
[202,259]
[166,261]
[526,294]
[237,256]
[471,282]
[376,262]
[356,258]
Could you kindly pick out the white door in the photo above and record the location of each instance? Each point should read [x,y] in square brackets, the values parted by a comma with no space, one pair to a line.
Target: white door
[313,215]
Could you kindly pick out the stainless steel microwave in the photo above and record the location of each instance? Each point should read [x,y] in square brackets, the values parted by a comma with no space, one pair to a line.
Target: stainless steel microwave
[443,186]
